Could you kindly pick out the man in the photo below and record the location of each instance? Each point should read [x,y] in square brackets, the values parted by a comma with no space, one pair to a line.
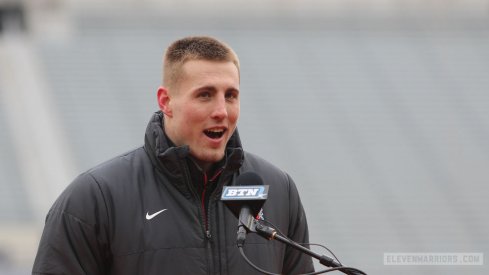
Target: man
[156,210]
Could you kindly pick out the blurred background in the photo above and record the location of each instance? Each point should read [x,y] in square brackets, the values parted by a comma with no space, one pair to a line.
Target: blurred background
[378,109]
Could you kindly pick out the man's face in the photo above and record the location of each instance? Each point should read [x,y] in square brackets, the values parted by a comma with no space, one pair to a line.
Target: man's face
[202,110]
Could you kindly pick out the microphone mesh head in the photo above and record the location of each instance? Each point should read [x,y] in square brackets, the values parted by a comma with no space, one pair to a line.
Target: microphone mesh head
[247,190]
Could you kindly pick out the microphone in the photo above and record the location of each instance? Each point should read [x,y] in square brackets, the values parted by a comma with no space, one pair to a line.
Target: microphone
[245,200]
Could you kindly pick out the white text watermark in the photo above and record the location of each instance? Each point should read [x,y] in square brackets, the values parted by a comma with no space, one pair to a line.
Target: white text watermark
[433,258]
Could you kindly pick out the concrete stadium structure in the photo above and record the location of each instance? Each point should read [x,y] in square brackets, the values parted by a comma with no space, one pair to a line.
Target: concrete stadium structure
[379,112]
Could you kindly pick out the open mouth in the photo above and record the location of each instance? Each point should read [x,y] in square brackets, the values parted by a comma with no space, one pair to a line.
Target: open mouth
[215,133]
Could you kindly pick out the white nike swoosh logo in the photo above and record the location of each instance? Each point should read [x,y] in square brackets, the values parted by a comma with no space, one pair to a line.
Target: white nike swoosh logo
[149,217]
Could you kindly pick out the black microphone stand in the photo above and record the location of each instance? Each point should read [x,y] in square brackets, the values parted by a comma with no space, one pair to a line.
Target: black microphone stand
[271,234]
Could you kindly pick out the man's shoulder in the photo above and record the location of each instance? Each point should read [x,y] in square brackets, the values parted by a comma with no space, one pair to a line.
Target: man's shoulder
[251,159]
[120,165]
[116,170]
[267,170]
[112,174]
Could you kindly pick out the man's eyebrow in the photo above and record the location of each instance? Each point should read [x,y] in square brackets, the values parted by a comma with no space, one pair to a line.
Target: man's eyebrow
[207,87]
[214,89]
[232,89]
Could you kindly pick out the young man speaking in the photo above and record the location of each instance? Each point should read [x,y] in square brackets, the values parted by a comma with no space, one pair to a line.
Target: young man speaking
[156,209]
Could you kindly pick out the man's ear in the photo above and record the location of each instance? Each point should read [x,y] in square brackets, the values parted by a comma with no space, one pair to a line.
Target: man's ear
[163,97]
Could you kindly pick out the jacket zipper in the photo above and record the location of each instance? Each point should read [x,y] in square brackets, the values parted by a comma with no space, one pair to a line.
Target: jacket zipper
[202,206]
[206,214]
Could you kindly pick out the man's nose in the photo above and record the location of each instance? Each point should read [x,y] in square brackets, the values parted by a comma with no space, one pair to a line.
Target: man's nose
[220,109]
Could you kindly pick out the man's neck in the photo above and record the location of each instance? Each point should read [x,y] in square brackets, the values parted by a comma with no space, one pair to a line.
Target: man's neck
[204,166]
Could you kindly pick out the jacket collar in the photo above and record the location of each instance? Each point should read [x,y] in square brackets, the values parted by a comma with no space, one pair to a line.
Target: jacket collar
[172,160]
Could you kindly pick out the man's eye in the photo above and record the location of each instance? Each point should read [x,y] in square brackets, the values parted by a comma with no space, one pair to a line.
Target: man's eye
[204,95]
[231,95]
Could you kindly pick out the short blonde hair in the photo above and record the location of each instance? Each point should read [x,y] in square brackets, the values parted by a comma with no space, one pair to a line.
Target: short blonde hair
[194,48]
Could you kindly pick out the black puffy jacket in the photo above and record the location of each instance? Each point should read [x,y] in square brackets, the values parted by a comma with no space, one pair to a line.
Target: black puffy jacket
[109,220]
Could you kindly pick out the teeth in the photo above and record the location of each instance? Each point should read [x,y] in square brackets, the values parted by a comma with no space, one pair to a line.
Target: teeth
[214,133]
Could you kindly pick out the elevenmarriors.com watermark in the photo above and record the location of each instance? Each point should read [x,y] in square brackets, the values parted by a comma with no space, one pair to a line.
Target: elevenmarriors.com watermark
[433,258]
